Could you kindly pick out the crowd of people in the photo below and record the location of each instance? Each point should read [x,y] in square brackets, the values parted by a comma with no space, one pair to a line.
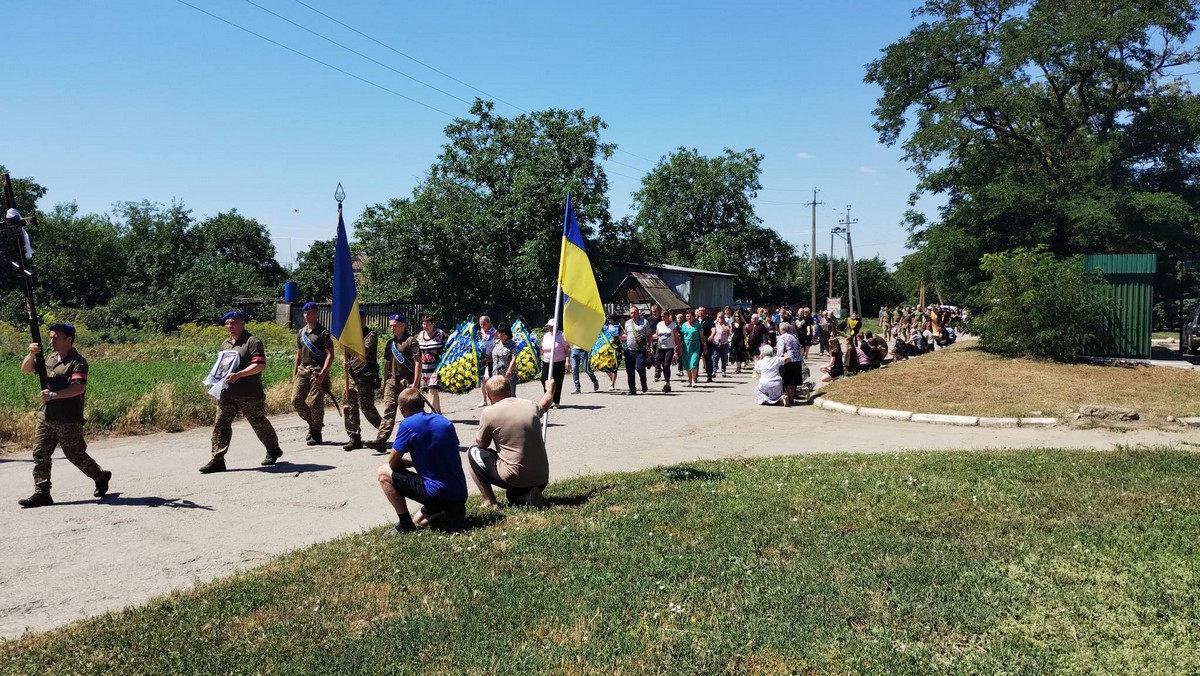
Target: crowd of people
[424,463]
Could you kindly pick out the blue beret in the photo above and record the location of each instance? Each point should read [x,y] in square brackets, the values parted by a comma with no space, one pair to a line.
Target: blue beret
[309,306]
[234,314]
[398,317]
[65,329]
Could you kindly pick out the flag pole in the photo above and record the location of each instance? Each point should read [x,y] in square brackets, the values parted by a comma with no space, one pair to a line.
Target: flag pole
[558,309]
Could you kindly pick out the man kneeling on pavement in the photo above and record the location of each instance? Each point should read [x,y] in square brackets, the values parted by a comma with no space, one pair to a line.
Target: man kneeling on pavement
[519,464]
[438,482]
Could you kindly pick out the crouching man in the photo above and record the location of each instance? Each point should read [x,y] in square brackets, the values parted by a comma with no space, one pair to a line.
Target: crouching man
[438,482]
[519,463]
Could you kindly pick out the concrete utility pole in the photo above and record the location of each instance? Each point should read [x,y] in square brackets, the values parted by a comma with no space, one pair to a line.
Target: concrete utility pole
[812,273]
[851,276]
[832,231]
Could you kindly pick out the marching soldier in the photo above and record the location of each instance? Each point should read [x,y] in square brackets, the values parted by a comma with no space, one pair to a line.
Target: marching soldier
[399,371]
[244,395]
[60,421]
[360,388]
[314,356]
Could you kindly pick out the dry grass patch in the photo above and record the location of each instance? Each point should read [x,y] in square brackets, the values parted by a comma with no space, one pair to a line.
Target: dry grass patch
[965,380]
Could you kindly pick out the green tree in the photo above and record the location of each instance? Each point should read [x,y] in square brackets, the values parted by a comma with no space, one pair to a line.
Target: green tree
[482,232]
[697,211]
[314,271]
[235,239]
[1063,123]
[158,247]
[26,193]
[78,259]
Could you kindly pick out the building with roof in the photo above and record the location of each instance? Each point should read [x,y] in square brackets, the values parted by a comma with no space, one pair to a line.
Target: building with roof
[693,287]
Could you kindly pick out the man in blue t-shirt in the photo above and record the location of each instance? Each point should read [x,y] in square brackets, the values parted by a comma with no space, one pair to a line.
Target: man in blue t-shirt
[438,482]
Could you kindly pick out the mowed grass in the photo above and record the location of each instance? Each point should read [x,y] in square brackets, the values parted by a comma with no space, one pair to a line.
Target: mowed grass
[1044,561]
[126,397]
[965,380]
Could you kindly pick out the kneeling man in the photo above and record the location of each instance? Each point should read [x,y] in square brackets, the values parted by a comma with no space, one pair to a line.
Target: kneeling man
[519,463]
[438,482]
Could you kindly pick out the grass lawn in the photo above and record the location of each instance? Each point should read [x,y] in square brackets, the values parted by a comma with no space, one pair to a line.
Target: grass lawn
[965,380]
[1006,562]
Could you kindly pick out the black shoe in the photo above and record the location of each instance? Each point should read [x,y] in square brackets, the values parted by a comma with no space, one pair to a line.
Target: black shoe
[535,499]
[308,437]
[271,457]
[404,525]
[102,484]
[380,445]
[314,438]
[709,379]
[354,443]
[214,465]
[38,499]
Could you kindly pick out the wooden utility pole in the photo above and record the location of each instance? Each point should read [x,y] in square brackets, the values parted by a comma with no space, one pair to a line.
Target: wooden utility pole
[812,273]
[851,276]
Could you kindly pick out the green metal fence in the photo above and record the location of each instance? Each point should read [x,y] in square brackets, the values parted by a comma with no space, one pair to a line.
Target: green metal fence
[1131,280]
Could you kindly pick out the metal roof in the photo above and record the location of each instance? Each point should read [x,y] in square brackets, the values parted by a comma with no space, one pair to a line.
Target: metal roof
[659,292]
[676,268]
[1122,264]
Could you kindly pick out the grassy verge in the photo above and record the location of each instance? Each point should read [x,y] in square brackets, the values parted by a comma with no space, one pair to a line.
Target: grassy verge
[965,380]
[1020,562]
[135,388]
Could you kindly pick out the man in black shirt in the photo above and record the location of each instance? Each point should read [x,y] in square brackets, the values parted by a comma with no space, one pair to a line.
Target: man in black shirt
[706,328]
[244,395]
[60,421]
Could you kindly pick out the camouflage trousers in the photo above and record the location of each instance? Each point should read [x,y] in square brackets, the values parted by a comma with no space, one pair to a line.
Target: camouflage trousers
[254,409]
[308,397]
[70,437]
[359,396]
[388,419]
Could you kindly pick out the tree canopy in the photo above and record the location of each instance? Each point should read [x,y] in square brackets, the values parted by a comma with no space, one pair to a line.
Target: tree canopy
[1063,123]
[482,231]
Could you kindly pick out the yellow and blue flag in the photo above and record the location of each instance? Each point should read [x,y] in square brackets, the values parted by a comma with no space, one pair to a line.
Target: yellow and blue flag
[347,327]
[583,313]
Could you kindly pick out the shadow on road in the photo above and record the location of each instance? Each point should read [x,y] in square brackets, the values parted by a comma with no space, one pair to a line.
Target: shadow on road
[285,467]
[119,500]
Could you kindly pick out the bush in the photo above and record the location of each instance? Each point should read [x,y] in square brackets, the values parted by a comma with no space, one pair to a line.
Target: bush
[1043,307]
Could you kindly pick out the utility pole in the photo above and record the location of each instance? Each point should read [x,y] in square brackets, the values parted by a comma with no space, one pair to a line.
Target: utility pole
[832,231]
[851,277]
[812,273]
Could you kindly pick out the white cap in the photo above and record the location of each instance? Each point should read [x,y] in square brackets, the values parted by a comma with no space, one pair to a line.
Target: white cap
[12,213]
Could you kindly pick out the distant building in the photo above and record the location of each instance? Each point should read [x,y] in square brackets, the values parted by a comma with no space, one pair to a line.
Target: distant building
[693,287]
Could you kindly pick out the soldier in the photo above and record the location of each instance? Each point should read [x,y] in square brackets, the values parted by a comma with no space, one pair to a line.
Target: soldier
[244,395]
[314,356]
[60,421]
[399,371]
[360,388]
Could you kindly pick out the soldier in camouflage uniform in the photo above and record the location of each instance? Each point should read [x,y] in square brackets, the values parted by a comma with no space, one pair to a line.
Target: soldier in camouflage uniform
[400,364]
[314,357]
[244,395]
[360,388]
[60,421]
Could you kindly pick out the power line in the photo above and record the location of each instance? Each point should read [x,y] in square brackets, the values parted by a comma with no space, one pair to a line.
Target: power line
[315,60]
[410,58]
[357,53]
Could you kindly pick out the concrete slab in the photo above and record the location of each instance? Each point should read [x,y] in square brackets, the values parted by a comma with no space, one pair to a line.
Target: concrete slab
[998,422]
[885,413]
[939,419]
[836,406]
[1038,422]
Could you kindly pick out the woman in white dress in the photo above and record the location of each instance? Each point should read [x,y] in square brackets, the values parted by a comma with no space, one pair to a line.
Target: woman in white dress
[769,390]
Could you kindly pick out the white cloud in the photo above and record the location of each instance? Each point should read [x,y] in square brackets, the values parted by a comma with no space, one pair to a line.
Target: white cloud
[866,170]
[806,156]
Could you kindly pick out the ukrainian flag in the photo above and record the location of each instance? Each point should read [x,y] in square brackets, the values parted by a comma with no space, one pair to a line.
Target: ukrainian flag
[347,327]
[583,313]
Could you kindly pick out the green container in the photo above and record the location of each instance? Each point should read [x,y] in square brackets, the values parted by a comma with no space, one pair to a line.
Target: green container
[1131,280]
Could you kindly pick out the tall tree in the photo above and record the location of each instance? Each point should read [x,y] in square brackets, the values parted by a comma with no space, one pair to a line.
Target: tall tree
[482,231]
[26,193]
[697,211]
[314,271]
[158,246]
[1064,123]
[78,259]
[235,239]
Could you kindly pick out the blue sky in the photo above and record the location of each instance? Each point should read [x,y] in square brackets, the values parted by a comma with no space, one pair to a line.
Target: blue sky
[150,99]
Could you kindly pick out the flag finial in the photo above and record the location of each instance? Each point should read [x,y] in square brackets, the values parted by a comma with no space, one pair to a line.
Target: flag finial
[339,194]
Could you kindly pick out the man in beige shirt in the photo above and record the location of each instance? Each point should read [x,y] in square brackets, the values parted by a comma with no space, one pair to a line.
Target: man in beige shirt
[519,464]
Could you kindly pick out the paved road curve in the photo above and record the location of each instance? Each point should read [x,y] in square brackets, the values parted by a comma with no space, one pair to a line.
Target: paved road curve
[165,527]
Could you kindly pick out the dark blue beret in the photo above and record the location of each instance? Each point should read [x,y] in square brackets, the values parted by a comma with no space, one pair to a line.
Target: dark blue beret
[65,329]
[309,306]
[234,314]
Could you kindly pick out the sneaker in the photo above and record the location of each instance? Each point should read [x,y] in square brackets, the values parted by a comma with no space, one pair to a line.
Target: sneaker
[214,465]
[354,443]
[314,438]
[102,484]
[597,389]
[38,499]
[482,404]
[612,388]
[404,525]
[270,458]
[575,391]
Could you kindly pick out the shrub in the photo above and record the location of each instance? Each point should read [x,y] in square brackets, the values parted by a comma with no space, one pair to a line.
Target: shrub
[1043,307]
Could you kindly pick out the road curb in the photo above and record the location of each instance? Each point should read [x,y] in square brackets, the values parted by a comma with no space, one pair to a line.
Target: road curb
[933,418]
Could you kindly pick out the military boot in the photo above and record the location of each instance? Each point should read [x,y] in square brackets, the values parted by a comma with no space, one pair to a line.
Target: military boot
[214,465]
[380,445]
[355,442]
[102,484]
[40,498]
[271,457]
[314,437]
